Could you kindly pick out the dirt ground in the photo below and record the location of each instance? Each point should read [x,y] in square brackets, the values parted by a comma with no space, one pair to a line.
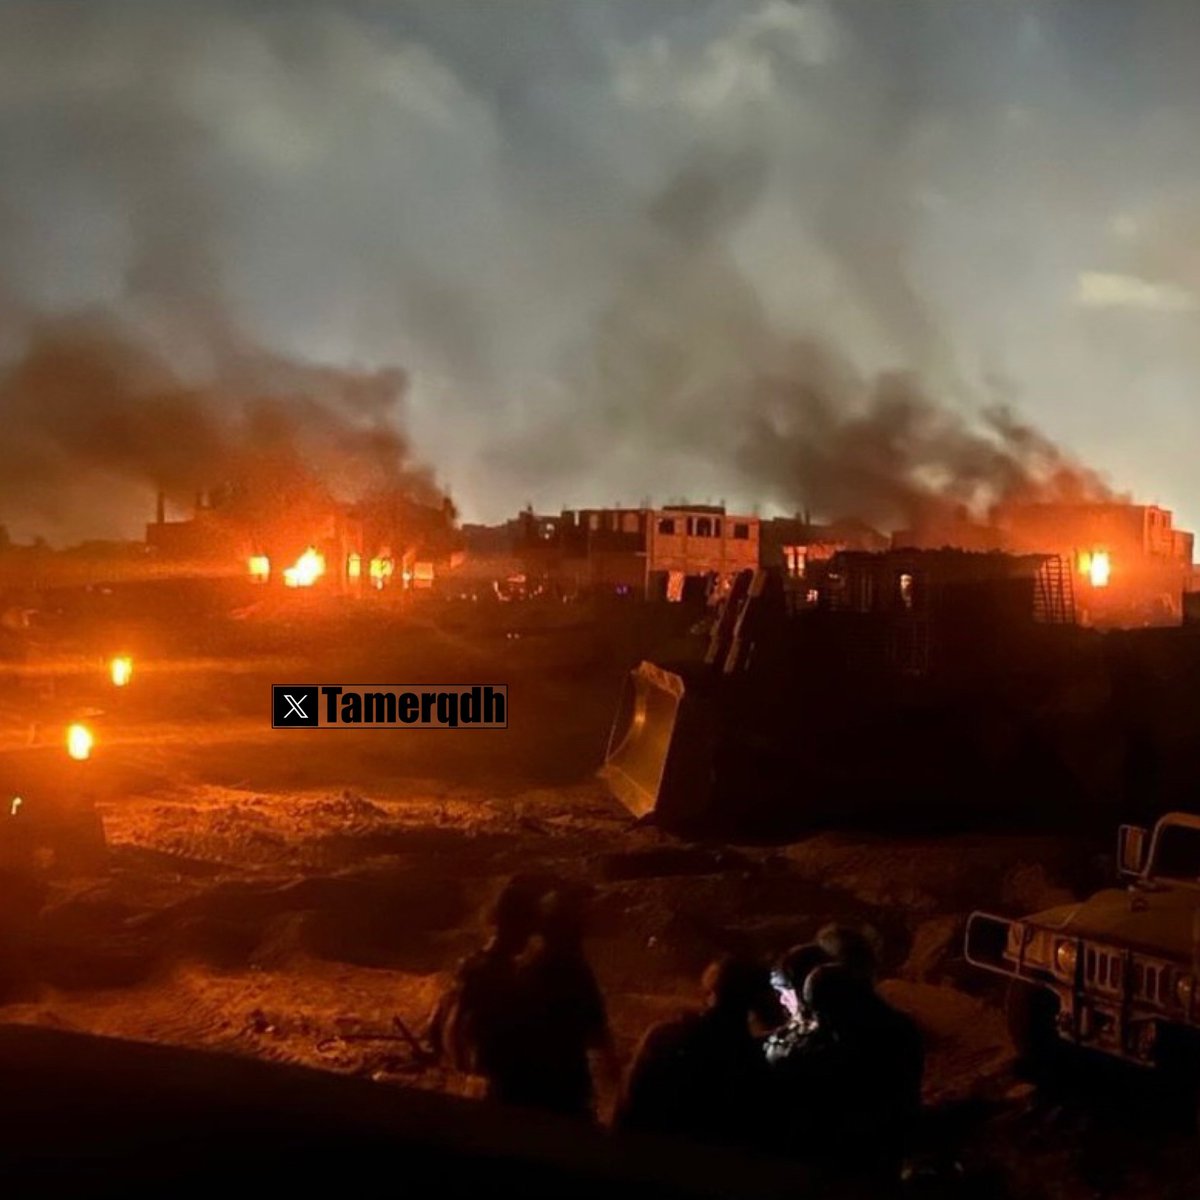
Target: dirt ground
[287,894]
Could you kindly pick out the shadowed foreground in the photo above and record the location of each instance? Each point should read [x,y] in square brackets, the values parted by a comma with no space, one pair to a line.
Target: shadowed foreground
[90,1116]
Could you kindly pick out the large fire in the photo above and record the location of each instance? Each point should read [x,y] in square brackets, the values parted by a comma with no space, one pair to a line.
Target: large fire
[309,567]
[1097,566]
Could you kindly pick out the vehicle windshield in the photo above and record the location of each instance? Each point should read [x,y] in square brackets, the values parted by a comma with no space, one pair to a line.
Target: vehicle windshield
[1177,854]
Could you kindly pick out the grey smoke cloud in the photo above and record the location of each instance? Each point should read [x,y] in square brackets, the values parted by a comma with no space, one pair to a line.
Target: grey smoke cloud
[613,247]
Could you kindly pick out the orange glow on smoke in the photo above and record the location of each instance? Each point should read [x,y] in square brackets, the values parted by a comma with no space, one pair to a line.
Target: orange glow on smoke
[121,670]
[79,742]
[310,566]
[260,568]
[1097,566]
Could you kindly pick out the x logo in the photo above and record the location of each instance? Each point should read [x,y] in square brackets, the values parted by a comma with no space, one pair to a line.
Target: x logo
[294,706]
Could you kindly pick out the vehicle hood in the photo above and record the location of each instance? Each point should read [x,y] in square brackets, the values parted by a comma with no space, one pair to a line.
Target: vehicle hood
[1164,922]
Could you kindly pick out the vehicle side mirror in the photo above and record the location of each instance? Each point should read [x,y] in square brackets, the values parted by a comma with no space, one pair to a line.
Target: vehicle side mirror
[1133,841]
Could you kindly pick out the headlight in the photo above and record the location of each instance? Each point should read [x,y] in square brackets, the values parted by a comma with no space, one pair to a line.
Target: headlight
[1185,989]
[1066,954]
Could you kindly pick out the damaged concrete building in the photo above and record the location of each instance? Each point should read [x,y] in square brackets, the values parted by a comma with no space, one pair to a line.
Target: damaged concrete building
[384,543]
[653,553]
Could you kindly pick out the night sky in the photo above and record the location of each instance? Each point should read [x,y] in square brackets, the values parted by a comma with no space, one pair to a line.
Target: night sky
[588,231]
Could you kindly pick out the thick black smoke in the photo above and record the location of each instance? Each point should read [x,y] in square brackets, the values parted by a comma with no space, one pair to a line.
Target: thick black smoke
[687,363]
[87,402]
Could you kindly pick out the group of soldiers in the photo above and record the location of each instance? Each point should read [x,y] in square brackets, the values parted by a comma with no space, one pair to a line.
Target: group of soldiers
[802,1057]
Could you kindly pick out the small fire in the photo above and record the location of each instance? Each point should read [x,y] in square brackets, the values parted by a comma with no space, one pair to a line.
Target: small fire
[1096,566]
[381,570]
[310,566]
[260,568]
[354,566]
[79,742]
[121,670]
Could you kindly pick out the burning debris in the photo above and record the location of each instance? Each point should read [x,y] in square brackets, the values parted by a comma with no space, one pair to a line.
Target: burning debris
[306,570]
[79,742]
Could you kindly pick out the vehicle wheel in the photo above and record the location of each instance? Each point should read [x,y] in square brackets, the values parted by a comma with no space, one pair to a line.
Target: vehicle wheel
[1032,1013]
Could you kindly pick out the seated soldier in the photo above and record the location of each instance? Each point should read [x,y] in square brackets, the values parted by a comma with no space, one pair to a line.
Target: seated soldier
[476,1022]
[705,1075]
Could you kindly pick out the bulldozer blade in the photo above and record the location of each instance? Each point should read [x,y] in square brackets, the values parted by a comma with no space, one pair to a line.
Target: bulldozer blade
[660,753]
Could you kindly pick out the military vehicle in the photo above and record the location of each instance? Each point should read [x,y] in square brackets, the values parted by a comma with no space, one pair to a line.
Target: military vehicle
[1118,972]
[868,698]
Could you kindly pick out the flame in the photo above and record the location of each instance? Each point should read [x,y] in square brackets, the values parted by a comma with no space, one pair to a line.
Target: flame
[121,670]
[15,806]
[79,742]
[1097,566]
[260,568]
[354,566]
[310,566]
[381,570]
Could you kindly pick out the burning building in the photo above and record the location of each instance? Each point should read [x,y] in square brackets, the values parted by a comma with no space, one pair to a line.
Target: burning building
[383,543]
[1129,566]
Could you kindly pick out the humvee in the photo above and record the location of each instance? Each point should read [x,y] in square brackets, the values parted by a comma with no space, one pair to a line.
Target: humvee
[1117,972]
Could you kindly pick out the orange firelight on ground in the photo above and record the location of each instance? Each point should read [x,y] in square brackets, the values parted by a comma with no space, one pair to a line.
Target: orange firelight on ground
[310,566]
[79,742]
[121,670]
[1097,567]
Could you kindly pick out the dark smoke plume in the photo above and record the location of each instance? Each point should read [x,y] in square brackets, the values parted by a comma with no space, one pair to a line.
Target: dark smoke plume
[688,363]
[824,440]
[87,401]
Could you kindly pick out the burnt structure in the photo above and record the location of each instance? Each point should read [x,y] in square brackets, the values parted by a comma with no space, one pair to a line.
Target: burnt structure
[655,553]
[795,544]
[304,538]
[1131,567]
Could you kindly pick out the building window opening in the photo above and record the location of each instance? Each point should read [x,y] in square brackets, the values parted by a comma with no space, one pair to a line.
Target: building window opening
[906,591]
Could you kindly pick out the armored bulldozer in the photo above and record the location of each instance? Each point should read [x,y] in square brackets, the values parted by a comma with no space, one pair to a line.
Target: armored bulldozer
[937,686]
[1118,973]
